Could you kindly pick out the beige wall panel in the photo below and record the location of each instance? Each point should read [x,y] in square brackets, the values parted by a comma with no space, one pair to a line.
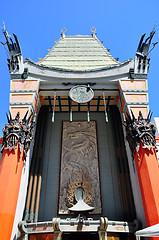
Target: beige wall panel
[21,97]
[136,97]
[136,84]
[20,84]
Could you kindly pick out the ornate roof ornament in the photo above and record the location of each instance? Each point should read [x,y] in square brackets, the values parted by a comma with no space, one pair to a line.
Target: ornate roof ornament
[142,54]
[140,130]
[63,31]
[15,60]
[143,47]
[93,30]
[17,130]
[13,49]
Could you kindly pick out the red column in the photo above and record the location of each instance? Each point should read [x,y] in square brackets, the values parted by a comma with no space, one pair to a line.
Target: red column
[11,166]
[148,175]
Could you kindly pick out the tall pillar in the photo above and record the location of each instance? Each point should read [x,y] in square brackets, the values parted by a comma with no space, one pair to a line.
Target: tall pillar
[148,175]
[17,135]
[141,138]
[10,175]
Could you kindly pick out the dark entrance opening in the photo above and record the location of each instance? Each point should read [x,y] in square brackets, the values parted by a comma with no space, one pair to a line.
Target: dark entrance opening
[80,236]
[95,236]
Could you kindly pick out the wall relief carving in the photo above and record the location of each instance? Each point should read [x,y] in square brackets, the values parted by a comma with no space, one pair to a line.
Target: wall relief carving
[79,165]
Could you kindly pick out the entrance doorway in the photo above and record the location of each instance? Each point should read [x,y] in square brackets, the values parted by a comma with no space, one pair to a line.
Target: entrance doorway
[80,236]
[95,236]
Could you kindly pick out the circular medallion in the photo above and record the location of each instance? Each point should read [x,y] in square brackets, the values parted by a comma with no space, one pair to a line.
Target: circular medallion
[81,94]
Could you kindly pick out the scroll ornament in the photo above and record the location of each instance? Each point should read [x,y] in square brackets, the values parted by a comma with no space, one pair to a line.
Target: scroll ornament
[140,130]
[17,130]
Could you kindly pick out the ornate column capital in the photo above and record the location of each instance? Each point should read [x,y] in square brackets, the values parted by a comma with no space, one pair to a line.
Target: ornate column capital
[18,131]
[140,130]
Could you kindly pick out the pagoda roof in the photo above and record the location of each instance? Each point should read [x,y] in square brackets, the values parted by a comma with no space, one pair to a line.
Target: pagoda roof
[79,53]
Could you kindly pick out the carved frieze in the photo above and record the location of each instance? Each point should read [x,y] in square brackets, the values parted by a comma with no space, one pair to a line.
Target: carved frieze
[79,165]
[17,130]
[140,130]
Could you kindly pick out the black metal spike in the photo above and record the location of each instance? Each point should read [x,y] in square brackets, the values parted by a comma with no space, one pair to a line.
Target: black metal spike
[24,118]
[12,43]
[151,116]
[140,43]
[17,42]
[147,39]
[148,117]
[10,116]
[7,117]
[134,119]
[140,114]
[29,118]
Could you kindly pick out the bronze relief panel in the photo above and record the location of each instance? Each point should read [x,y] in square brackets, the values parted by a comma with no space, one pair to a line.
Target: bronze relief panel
[79,165]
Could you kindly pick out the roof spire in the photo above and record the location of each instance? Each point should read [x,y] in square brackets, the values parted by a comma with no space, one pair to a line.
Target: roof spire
[93,30]
[63,31]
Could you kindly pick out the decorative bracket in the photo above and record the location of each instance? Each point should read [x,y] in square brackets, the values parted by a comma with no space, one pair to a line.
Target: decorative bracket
[22,230]
[56,228]
[103,227]
[134,75]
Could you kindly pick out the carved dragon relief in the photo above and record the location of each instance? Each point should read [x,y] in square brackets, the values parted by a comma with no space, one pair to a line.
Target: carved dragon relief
[79,165]
[18,131]
[140,130]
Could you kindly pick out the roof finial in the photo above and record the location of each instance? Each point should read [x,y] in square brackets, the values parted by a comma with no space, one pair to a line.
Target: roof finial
[4,27]
[5,31]
[63,31]
[93,30]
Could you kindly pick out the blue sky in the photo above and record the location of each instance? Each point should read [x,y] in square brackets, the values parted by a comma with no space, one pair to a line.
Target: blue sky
[119,25]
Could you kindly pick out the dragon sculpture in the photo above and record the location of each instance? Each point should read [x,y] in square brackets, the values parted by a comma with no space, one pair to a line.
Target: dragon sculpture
[17,130]
[140,130]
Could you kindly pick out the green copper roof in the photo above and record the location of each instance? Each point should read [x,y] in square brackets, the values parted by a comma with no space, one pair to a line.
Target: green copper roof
[80,53]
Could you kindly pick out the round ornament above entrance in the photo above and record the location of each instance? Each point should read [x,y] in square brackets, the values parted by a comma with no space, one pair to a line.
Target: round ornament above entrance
[81,94]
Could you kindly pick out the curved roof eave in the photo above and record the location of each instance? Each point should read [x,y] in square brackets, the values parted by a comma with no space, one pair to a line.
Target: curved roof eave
[78,71]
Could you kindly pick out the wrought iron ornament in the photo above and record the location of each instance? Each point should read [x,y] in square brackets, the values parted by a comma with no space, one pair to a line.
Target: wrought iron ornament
[18,131]
[140,130]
